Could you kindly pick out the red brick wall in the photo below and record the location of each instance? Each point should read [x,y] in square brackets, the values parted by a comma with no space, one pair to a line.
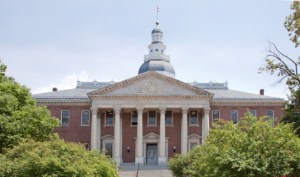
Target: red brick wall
[77,133]
[74,132]
[128,139]
[174,134]
[260,111]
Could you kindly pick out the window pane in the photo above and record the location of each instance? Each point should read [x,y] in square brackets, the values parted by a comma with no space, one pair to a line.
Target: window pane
[169,121]
[152,118]
[234,116]
[134,118]
[253,112]
[108,149]
[270,113]
[215,115]
[193,117]
[109,117]
[65,118]
[169,118]
[85,118]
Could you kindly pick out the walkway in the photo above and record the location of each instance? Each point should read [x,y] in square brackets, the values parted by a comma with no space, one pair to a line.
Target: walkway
[144,171]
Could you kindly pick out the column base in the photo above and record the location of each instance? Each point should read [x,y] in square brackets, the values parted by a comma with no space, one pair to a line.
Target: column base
[162,161]
[139,161]
[118,160]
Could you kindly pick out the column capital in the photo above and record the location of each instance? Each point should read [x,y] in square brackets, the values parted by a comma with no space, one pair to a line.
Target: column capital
[206,110]
[162,108]
[94,109]
[117,109]
[184,109]
[140,108]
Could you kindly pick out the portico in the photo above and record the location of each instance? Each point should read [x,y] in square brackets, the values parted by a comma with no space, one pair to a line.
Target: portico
[148,95]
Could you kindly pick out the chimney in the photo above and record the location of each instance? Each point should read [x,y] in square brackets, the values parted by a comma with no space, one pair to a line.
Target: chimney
[262,92]
[54,89]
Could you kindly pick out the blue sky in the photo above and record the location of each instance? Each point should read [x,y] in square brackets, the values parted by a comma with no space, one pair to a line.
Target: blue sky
[52,43]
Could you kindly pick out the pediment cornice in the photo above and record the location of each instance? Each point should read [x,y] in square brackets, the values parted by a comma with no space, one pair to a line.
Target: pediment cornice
[151,88]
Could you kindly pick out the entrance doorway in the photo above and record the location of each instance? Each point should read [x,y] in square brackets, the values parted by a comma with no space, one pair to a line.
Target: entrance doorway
[151,155]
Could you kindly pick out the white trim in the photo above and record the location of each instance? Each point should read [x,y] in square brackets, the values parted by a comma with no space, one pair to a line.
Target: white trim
[61,124]
[109,125]
[150,125]
[107,139]
[89,122]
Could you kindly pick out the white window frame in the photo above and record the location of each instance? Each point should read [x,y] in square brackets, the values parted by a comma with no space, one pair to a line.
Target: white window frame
[212,115]
[190,118]
[89,118]
[237,114]
[104,146]
[105,121]
[193,139]
[253,111]
[132,113]
[154,117]
[61,118]
[169,117]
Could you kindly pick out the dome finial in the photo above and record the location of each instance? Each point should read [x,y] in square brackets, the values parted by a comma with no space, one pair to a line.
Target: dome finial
[157,13]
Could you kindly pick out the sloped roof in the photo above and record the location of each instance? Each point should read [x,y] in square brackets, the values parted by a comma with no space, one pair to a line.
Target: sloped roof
[70,95]
[152,75]
[239,95]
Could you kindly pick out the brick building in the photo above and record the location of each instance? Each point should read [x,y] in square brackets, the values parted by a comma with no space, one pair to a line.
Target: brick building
[124,118]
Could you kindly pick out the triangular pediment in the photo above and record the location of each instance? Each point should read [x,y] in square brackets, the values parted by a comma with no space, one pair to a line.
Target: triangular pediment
[150,84]
[151,136]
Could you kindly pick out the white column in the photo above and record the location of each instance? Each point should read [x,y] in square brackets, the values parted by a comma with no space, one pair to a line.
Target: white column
[162,137]
[184,130]
[94,128]
[117,141]
[205,125]
[139,159]
[98,141]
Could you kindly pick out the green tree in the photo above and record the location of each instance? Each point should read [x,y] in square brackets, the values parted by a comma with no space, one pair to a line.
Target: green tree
[287,68]
[251,148]
[292,23]
[54,159]
[20,117]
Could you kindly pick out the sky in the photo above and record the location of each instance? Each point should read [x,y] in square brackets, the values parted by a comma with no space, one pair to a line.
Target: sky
[54,43]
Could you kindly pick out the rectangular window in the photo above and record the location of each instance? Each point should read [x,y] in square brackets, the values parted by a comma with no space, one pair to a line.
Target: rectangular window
[109,117]
[134,118]
[193,118]
[169,118]
[108,149]
[85,118]
[152,118]
[234,115]
[65,118]
[215,115]
[253,112]
[270,113]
